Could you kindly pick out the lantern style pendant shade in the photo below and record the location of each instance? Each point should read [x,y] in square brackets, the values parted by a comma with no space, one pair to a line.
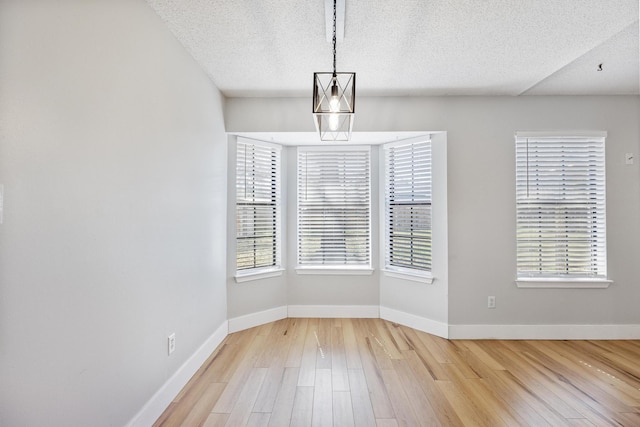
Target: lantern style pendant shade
[334,96]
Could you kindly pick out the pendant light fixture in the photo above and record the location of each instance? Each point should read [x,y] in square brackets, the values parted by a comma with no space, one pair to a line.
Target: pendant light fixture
[334,96]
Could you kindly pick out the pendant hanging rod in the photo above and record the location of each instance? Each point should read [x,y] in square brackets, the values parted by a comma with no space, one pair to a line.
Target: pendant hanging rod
[334,36]
[340,20]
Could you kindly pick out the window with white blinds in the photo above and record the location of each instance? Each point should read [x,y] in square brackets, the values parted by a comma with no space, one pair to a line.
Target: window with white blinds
[257,205]
[334,207]
[560,193]
[408,205]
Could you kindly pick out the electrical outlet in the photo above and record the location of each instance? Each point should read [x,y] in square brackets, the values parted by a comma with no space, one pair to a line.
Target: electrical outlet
[172,343]
[491,302]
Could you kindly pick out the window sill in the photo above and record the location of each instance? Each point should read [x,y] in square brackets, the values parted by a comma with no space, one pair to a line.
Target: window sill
[346,271]
[563,283]
[406,275]
[258,274]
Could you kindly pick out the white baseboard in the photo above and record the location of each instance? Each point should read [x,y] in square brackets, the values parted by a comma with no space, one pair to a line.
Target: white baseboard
[241,323]
[152,410]
[416,322]
[545,332]
[335,311]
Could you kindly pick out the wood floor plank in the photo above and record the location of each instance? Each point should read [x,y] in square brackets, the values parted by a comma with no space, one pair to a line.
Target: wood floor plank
[339,372]
[466,410]
[278,339]
[399,337]
[422,375]
[342,409]
[205,403]
[323,341]
[283,405]
[532,410]
[428,359]
[216,420]
[573,391]
[482,355]
[273,381]
[528,378]
[382,407]
[258,419]
[231,393]
[242,409]
[177,413]
[432,342]
[491,404]
[308,359]
[628,370]
[302,407]
[366,372]
[380,348]
[599,370]
[421,406]
[601,390]
[363,415]
[297,333]
[387,341]
[350,345]
[404,413]
[580,422]
[322,399]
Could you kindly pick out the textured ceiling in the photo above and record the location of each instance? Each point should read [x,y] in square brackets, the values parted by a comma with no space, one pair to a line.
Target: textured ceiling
[415,47]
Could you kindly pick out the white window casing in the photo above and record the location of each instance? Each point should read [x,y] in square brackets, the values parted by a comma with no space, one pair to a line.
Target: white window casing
[560,210]
[407,207]
[258,222]
[334,209]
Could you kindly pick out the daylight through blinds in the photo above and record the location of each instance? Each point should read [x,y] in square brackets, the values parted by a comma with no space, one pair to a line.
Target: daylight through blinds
[257,205]
[560,193]
[333,207]
[408,205]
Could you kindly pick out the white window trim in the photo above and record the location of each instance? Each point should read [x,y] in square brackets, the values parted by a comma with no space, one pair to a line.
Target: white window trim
[390,270]
[409,274]
[246,275]
[553,283]
[525,282]
[336,269]
[258,274]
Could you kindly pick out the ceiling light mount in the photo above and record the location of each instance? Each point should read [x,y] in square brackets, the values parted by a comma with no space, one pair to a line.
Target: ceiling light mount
[334,97]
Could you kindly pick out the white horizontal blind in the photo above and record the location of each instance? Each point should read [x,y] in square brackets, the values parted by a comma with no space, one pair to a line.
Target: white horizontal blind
[333,207]
[560,193]
[257,205]
[408,205]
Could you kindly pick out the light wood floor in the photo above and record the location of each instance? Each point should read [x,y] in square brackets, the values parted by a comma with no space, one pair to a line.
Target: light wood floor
[370,372]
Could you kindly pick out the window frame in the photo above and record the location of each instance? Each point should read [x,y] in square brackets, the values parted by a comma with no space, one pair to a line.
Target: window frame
[275,181]
[342,269]
[528,279]
[388,267]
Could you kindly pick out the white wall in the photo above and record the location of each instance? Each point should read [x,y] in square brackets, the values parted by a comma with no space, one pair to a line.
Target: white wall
[113,160]
[481,196]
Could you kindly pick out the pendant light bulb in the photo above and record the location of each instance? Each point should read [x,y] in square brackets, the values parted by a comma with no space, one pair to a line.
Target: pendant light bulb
[334,102]
[334,107]
[334,122]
